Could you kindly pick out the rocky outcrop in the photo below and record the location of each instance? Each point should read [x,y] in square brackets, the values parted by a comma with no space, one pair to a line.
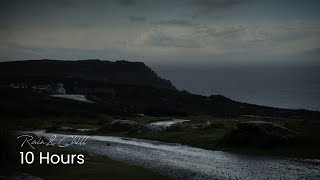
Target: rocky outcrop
[166,125]
[260,134]
[22,176]
[67,128]
[118,72]
[128,125]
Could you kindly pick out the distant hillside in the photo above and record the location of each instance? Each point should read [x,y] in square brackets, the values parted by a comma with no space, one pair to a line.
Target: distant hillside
[119,72]
[137,89]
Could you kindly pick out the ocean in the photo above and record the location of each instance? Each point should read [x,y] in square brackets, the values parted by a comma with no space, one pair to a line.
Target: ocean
[284,87]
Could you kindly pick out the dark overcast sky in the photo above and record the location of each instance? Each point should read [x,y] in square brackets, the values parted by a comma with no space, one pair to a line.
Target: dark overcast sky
[166,31]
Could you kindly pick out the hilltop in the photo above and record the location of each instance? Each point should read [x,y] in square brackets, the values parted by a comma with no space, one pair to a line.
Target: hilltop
[119,87]
[118,72]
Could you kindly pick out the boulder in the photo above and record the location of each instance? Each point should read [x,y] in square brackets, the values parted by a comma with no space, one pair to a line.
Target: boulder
[260,134]
[164,125]
[22,176]
[67,128]
[128,125]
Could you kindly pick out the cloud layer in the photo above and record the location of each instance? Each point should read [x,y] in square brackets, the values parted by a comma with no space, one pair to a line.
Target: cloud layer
[158,30]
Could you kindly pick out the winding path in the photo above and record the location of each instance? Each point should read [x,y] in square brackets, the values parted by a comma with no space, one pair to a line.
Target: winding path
[184,162]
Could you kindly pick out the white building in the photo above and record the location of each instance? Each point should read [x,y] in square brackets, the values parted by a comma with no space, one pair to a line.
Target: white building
[52,89]
[18,86]
[58,89]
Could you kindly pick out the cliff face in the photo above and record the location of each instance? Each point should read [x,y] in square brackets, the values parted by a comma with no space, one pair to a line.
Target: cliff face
[119,72]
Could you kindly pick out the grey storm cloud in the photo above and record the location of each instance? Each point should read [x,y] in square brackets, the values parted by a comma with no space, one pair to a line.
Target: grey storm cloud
[219,3]
[159,38]
[165,28]
[127,2]
[315,51]
[202,8]
[167,41]
[204,3]
[226,31]
[170,22]
[137,18]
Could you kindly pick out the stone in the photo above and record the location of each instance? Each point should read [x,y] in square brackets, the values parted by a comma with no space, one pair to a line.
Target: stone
[260,134]
[128,125]
[22,176]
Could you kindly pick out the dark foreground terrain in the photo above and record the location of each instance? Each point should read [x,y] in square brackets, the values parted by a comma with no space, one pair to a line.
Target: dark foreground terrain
[95,167]
[144,99]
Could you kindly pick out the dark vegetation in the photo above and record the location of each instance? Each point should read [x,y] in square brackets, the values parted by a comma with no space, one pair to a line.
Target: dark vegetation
[288,138]
[130,100]
[138,90]
[8,150]
[119,72]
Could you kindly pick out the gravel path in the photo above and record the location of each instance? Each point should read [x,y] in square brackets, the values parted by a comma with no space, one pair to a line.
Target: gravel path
[184,162]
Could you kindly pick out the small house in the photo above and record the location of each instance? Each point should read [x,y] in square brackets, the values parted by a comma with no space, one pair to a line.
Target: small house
[51,89]
[40,87]
[102,91]
[18,86]
[57,89]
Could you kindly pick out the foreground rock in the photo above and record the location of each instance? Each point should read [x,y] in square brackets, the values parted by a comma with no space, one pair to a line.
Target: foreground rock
[22,176]
[165,125]
[260,134]
[128,125]
[67,128]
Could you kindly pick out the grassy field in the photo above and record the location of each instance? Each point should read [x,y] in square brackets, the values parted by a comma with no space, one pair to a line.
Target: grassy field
[25,110]
[307,143]
[211,137]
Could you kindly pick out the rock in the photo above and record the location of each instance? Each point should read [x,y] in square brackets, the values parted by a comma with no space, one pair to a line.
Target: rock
[199,126]
[171,124]
[66,128]
[128,125]
[22,176]
[208,124]
[260,134]
[156,128]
